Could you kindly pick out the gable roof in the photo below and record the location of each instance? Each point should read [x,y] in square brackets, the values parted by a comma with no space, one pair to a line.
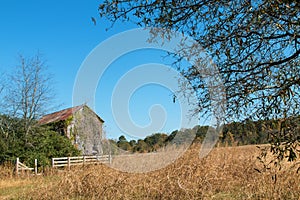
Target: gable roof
[62,115]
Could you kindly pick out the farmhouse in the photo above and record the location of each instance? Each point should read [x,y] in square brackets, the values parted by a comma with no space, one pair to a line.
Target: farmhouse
[81,125]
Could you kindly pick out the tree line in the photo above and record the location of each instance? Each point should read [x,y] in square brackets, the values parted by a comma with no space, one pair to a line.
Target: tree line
[233,134]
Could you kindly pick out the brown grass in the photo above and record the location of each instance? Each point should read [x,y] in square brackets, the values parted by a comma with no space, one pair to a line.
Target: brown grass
[226,173]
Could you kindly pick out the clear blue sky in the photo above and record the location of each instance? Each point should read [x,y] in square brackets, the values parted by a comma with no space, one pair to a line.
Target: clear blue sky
[65,34]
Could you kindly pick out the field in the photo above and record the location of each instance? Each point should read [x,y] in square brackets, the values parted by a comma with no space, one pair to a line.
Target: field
[226,173]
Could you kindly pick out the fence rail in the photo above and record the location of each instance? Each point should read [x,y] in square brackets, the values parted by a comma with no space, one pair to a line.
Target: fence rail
[20,167]
[80,160]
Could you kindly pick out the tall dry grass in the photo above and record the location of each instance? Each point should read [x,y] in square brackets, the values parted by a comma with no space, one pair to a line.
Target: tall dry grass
[226,173]
[6,171]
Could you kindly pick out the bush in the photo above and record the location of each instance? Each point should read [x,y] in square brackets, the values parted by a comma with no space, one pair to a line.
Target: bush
[40,143]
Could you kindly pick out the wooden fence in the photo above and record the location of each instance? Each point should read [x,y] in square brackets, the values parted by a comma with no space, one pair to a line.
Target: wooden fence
[20,167]
[80,160]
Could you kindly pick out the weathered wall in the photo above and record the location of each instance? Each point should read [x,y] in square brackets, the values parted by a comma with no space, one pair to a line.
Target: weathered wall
[85,130]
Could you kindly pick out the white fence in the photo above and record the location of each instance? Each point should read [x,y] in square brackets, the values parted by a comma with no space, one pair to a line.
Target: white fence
[20,167]
[80,160]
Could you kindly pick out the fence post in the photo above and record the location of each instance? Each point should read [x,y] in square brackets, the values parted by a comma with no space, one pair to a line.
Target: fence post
[17,166]
[109,158]
[52,162]
[69,162]
[35,166]
[83,160]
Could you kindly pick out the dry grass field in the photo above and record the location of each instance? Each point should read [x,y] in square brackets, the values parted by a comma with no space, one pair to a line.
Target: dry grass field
[226,173]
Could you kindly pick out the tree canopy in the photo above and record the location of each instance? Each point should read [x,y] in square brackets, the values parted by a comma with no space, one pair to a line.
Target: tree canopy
[254,44]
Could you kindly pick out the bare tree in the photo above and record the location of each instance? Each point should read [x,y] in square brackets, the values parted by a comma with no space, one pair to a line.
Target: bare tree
[3,122]
[29,92]
[255,45]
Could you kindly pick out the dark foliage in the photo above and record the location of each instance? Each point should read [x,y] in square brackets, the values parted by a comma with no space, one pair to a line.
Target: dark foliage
[40,143]
[233,134]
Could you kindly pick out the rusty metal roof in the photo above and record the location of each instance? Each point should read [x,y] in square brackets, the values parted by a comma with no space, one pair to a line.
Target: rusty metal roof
[63,115]
[59,115]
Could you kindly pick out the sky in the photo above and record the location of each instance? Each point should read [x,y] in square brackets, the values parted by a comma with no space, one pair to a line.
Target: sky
[63,32]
